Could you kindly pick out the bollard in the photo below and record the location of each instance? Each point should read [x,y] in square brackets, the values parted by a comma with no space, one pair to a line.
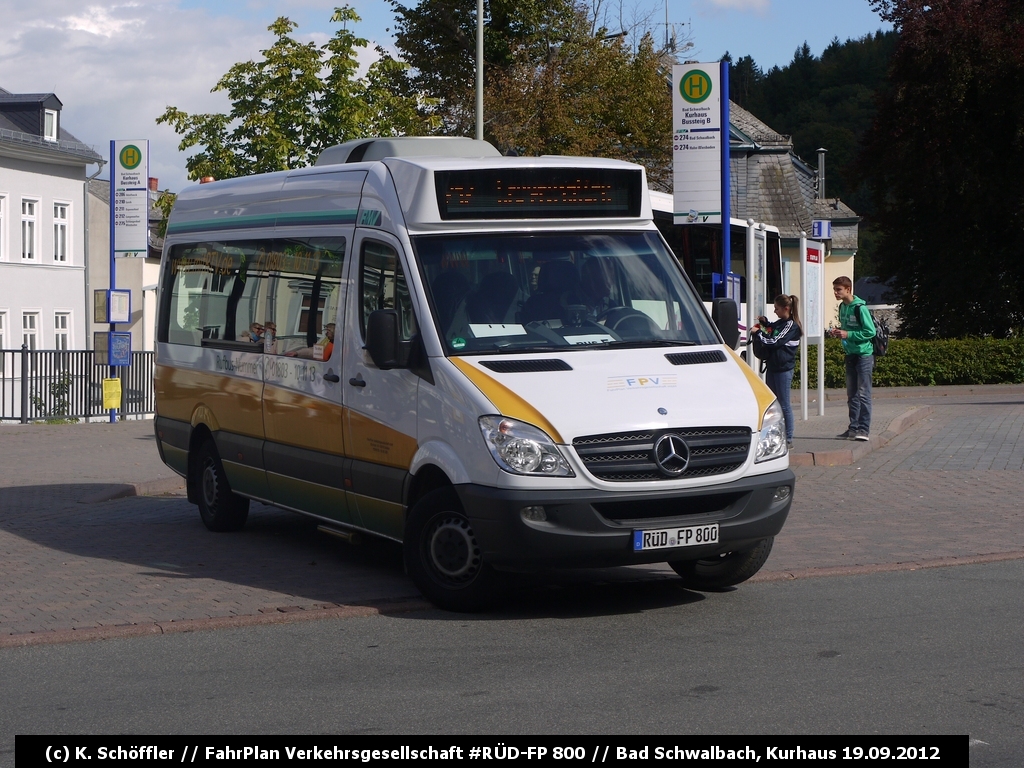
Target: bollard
[24,383]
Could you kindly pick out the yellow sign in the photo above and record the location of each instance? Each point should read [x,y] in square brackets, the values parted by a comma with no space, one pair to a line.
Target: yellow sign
[111,394]
[695,86]
[130,157]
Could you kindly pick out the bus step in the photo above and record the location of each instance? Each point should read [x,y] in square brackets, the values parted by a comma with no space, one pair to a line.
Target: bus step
[350,536]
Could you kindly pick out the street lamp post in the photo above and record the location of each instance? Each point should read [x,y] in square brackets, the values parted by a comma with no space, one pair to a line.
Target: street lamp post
[480,70]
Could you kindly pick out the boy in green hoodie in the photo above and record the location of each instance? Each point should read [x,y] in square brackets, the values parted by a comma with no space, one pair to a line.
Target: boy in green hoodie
[857,329]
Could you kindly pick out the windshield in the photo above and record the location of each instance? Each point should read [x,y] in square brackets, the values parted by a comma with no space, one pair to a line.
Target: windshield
[530,292]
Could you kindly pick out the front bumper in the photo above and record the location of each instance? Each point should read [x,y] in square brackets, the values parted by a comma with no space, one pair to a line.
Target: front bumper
[595,529]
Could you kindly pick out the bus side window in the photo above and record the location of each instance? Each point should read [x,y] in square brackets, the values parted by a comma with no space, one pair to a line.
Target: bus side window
[384,287]
[304,287]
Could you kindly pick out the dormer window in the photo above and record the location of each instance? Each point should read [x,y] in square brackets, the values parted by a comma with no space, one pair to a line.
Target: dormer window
[50,125]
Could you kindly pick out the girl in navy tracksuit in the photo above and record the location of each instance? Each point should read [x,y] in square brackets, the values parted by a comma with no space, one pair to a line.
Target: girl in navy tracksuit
[782,339]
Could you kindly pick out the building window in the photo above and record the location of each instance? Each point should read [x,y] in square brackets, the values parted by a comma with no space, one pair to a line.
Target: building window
[61,325]
[28,230]
[60,231]
[50,125]
[3,327]
[29,329]
[3,240]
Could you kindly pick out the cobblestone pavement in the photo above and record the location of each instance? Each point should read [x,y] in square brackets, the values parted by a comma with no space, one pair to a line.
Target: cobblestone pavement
[948,489]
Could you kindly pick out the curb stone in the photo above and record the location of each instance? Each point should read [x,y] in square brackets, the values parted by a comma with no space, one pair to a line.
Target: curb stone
[847,456]
[280,615]
[161,487]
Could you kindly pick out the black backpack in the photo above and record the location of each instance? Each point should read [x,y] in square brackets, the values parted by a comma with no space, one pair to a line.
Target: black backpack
[880,342]
[761,352]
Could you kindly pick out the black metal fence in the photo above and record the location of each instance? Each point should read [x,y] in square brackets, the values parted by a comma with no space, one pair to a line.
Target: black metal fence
[39,385]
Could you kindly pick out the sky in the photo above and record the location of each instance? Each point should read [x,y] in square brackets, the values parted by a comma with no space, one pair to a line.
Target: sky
[117,66]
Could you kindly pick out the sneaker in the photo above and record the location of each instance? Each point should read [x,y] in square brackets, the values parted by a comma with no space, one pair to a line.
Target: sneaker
[862,436]
[789,445]
[847,435]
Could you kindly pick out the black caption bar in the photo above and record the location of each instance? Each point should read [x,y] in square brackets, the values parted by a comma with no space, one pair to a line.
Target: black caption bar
[97,751]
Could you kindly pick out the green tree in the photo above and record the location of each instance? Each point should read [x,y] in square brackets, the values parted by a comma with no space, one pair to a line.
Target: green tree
[591,96]
[555,81]
[437,38]
[295,101]
[945,159]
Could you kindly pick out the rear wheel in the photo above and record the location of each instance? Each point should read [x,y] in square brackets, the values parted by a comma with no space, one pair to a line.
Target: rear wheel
[723,570]
[220,508]
[443,556]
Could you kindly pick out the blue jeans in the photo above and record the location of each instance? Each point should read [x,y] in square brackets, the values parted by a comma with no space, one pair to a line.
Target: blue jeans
[858,391]
[780,384]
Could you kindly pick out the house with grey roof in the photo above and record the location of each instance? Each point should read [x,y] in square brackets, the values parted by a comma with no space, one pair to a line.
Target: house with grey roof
[43,220]
[771,185]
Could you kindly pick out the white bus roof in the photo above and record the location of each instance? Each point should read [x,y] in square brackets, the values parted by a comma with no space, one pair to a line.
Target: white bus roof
[330,194]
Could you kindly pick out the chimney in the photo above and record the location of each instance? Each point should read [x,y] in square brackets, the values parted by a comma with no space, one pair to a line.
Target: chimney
[154,184]
[821,172]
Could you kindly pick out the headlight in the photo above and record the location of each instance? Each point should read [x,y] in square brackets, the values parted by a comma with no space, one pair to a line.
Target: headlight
[522,449]
[771,440]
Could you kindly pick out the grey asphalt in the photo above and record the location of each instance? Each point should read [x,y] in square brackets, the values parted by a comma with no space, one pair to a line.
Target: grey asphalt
[925,652]
[939,484]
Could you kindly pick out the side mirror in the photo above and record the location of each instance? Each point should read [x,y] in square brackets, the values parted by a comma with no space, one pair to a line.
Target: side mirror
[382,339]
[726,317]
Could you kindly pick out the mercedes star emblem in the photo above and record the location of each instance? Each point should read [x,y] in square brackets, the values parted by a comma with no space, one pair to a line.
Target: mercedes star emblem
[671,454]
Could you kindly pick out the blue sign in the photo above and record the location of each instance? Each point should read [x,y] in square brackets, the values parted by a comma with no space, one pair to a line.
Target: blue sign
[821,229]
[119,349]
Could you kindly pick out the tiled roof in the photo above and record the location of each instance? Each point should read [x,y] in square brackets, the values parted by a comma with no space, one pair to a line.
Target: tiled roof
[833,208]
[14,135]
[753,128]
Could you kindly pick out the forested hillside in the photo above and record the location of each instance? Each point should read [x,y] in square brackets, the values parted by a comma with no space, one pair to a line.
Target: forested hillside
[827,101]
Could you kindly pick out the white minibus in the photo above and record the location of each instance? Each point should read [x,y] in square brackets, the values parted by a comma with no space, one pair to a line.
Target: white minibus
[495,361]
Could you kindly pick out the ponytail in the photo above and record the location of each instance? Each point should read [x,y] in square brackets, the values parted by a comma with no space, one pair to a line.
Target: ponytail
[794,311]
[792,303]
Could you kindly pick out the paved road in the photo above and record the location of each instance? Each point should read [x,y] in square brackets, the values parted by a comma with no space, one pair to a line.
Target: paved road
[913,652]
[945,490]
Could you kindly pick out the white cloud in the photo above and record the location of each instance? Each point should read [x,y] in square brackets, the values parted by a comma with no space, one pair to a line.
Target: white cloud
[116,67]
[98,20]
[760,7]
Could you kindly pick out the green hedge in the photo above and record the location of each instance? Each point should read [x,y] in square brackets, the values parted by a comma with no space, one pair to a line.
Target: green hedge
[911,362]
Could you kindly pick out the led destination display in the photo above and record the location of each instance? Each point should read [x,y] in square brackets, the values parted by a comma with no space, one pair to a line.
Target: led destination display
[531,193]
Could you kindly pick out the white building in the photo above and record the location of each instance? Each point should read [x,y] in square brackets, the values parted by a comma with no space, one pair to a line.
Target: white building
[43,221]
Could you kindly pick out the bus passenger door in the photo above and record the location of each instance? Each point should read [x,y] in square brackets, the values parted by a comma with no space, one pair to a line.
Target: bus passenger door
[380,406]
[302,413]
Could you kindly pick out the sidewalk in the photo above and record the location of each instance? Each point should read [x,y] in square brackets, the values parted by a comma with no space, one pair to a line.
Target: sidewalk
[893,411]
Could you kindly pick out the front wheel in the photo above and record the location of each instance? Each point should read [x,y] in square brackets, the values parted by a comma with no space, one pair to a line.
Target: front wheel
[443,556]
[723,570]
[220,508]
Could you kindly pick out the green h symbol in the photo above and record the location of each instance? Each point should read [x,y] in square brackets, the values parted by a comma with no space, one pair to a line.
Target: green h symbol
[695,86]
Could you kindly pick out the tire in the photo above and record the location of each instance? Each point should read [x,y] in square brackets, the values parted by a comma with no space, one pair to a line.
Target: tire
[724,570]
[220,509]
[443,556]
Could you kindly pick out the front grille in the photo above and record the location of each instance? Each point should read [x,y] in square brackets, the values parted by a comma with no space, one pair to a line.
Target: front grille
[629,456]
[526,366]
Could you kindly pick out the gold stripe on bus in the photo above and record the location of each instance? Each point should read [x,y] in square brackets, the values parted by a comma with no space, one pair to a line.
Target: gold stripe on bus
[295,418]
[765,396]
[377,443]
[223,402]
[505,400]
